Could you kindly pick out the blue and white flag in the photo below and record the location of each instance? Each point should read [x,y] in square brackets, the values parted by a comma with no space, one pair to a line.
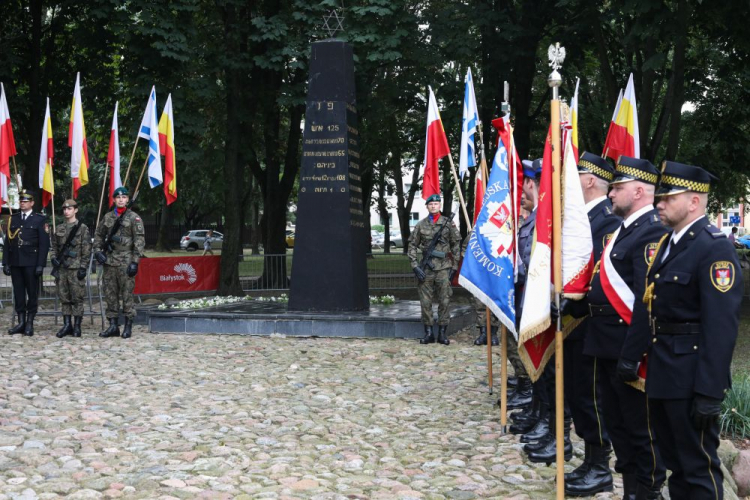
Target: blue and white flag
[467,155]
[150,130]
[487,270]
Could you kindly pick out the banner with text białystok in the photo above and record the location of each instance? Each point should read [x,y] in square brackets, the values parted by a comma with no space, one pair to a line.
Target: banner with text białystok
[177,274]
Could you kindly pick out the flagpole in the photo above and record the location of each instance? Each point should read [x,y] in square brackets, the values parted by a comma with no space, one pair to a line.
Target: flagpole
[140,178]
[458,188]
[132,155]
[505,108]
[101,197]
[557,55]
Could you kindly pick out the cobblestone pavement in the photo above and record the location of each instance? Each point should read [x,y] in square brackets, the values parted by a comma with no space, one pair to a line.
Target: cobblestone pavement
[176,416]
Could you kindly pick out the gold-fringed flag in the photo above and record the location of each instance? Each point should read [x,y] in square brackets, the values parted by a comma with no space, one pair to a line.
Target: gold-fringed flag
[46,180]
[166,145]
[79,151]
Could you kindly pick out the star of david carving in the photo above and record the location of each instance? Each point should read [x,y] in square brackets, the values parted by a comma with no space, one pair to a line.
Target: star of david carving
[333,23]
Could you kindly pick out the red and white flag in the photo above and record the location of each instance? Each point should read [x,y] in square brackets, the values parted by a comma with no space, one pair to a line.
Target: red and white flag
[7,146]
[577,244]
[436,147]
[623,137]
[113,158]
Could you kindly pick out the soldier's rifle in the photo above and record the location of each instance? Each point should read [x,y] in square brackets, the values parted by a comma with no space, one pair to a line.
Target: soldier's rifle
[112,237]
[430,251]
[65,251]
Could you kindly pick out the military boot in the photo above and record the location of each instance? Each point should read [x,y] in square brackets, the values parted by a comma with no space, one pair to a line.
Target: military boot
[521,396]
[67,328]
[597,477]
[523,422]
[548,453]
[19,328]
[495,340]
[429,337]
[113,330]
[28,329]
[443,335]
[582,469]
[77,326]
[629,486]
[128,330]
[482,339]
[643,492]
[541,427]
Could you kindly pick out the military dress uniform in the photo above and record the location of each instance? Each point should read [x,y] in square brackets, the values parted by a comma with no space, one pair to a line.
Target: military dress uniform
[625,407]
[581,387]
[694,290]
[72,268]
[24,258]
[120,266]
[437,281]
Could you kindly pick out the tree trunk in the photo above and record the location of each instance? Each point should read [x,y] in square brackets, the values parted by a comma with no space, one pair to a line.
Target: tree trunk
[162,240]
[678,75]
[229,283]
[36,100]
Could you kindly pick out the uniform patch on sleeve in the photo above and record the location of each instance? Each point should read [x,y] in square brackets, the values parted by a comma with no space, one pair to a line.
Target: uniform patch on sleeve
[649,252]
[722,275]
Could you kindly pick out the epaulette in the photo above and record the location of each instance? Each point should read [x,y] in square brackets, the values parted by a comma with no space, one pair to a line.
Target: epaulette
[714,231]
[654,219]
[607,211]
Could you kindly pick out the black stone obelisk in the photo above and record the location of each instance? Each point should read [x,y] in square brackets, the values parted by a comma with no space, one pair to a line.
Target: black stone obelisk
[329,270]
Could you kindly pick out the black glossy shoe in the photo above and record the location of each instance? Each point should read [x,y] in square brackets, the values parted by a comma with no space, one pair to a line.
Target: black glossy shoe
[582,469]
[113,330]
[127,331]
[521,396]
[596,479]
[540,429]
[19,328]
[429,337]
[548,453]
[482,339]
[443,335]
[77,326]
[67,328]
[28,328]
[538,445]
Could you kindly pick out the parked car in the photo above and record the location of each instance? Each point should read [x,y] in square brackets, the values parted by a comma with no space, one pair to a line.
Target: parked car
[743,241]
[193,240]
[289,238]
[396,241]
[376,238]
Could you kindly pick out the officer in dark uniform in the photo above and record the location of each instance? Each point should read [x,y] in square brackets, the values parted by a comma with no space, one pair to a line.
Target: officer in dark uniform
[24,257]
[593,475]
[694,292]
[615,315]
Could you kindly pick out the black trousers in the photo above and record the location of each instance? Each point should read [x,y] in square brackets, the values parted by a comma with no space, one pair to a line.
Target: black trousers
[629,424]
[690,454]
[583,395]
[25,289]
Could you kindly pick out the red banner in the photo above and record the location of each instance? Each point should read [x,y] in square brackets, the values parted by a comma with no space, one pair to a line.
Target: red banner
[177,274]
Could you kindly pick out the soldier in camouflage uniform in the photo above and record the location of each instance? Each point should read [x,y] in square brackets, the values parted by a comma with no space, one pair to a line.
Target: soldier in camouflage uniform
[120,261]
[480,310]
[71,264]
[436,277]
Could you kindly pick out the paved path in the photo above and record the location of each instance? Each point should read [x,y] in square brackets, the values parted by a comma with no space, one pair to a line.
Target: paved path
[168,416]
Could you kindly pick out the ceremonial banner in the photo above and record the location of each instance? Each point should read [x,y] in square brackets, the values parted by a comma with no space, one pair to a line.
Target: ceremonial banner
[623,138]
[467,153]
[177,274]
[577,245]
[436,147]
[150,130]
[46,180]
[166,144]
[7,146]
[488,266]
[113,158]
[79,151]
